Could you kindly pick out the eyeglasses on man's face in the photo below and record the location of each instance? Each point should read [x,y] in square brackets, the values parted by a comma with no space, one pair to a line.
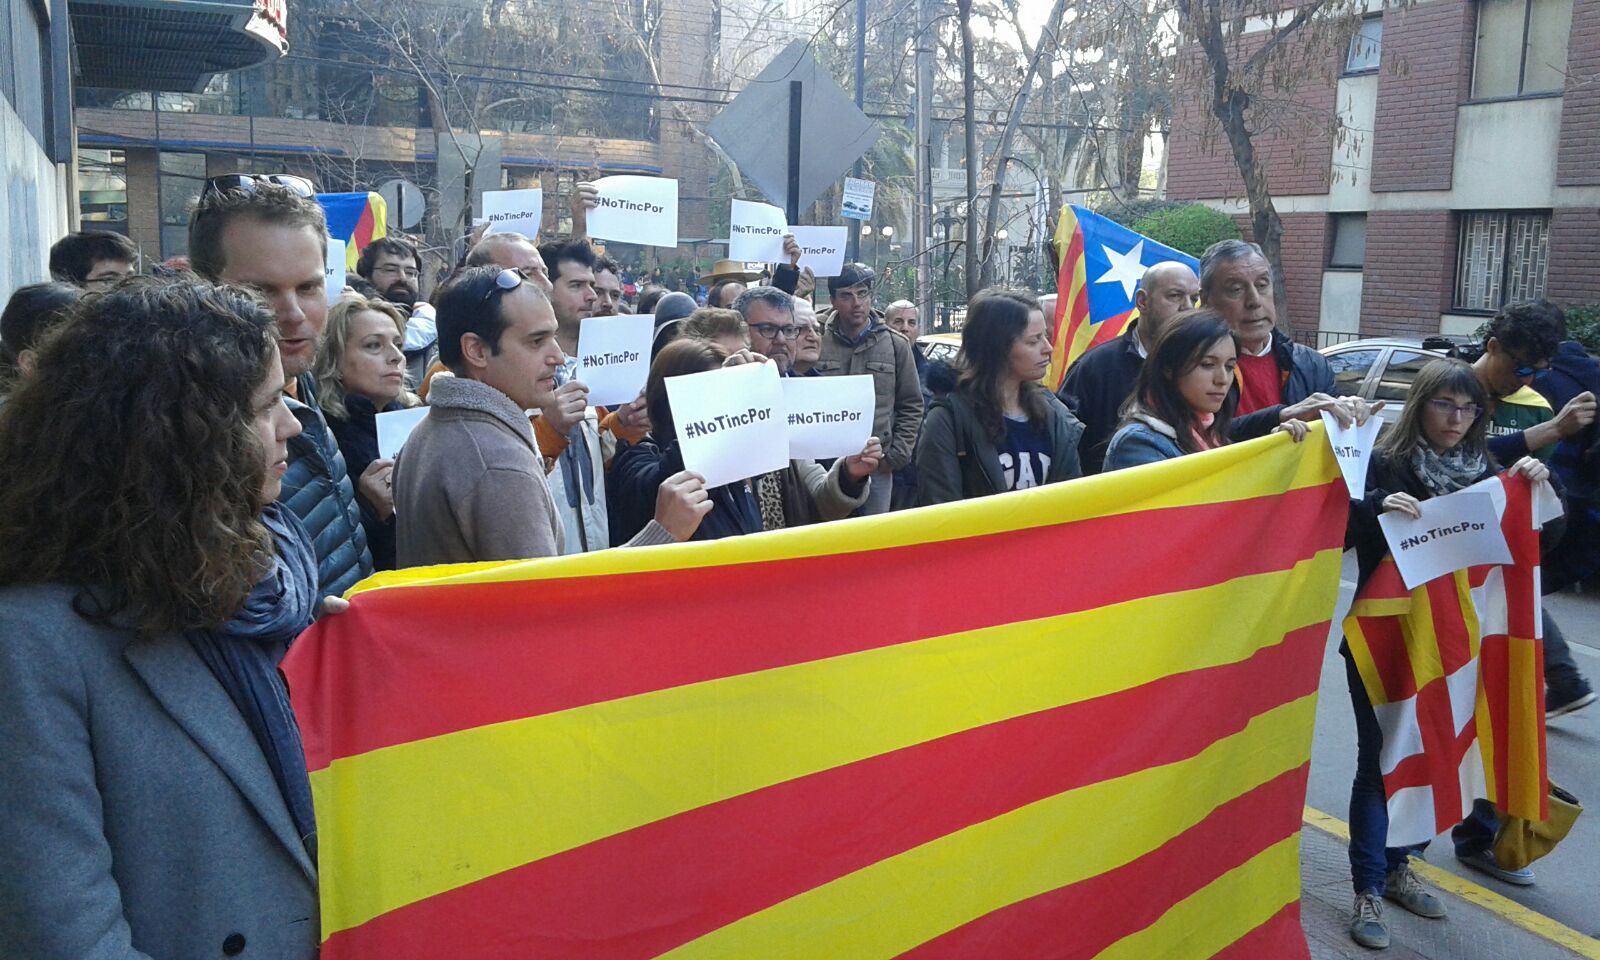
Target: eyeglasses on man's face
[771,331]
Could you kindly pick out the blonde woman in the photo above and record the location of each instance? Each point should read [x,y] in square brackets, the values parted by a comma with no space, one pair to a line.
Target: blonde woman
[360,372]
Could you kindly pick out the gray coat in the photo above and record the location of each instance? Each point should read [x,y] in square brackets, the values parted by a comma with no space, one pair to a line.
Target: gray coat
[138,817]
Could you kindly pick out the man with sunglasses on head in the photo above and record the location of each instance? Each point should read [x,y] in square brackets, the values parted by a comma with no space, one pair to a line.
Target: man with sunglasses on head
[269,233]
[470,484]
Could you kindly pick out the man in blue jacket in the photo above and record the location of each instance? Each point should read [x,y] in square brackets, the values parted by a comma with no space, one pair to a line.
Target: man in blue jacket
[272,236]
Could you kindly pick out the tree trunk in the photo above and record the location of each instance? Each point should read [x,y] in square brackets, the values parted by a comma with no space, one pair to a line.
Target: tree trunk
[969,114]
[1265,223]
[1003,153]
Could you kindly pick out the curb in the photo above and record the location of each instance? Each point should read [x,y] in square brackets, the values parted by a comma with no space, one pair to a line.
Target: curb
[1509,910]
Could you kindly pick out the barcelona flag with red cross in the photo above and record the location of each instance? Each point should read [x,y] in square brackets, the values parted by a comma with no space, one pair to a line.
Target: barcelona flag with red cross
[1101,265]
[1455,673]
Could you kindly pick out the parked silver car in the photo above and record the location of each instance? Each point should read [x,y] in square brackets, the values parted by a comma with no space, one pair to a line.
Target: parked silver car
[1381,368]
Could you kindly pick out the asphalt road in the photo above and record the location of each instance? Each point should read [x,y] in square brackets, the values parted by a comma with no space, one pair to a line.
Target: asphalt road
[1566,889]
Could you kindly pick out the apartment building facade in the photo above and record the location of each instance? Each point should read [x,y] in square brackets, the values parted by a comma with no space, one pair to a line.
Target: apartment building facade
[1466,175]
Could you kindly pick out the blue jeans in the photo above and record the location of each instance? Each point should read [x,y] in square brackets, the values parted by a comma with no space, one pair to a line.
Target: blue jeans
[1370,860]
[879,497]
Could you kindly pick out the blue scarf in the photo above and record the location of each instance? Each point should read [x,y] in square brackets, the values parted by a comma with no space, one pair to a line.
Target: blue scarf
[243,655]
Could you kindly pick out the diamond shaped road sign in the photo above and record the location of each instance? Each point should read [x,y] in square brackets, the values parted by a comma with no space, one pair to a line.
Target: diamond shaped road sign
[833,130]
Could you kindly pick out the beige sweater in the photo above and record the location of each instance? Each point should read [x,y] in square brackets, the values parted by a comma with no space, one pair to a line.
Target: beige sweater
[469,485]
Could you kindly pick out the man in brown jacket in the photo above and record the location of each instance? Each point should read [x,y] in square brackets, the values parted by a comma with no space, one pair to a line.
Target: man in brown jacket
[857,341]
[469,484]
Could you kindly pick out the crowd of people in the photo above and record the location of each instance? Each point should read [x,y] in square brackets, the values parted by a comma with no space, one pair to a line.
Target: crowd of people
[190,474]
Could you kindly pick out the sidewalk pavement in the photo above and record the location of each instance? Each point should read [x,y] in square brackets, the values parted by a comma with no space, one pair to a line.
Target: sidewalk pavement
[1481,926]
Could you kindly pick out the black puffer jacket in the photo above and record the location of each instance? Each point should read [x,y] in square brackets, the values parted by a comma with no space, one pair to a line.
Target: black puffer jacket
[319,491]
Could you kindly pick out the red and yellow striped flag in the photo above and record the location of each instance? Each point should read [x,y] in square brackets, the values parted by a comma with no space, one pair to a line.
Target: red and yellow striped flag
[1065,722]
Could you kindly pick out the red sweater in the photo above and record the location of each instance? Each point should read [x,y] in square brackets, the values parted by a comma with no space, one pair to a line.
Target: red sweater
[1260,383]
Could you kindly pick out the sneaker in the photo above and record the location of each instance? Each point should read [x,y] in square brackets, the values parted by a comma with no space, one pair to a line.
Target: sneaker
[1366,926]
[1559,703]
[1404,888]
[1484,861]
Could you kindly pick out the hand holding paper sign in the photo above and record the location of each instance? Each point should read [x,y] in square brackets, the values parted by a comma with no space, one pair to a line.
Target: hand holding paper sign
[730,421]
[614,357]
[636,210]
[865,464]
[513,211]
[681,503]
[829,416]
[822,248]
[1352,447]
[756,232]
[1449,533]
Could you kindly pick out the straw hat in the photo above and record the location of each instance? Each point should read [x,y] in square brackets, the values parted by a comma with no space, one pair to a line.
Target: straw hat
[730,270]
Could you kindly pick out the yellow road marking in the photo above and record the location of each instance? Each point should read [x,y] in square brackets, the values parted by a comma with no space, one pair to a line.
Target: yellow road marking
[1507,909]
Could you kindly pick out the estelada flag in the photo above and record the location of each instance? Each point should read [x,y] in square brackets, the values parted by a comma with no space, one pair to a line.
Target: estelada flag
[1455,673]
[1073,721]
[357,219]
[1101,264]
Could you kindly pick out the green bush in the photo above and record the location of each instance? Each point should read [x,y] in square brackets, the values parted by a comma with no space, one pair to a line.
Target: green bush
[1133,211]
[1583,325]
[1190,227]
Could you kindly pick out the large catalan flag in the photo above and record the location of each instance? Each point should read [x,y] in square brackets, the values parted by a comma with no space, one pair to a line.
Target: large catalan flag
[1101,263]
[1073,722]
[1455,673]
[357,219]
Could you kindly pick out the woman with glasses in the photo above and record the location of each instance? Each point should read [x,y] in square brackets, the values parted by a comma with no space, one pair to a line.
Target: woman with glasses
[999,430]
[1439,446]
[360,373]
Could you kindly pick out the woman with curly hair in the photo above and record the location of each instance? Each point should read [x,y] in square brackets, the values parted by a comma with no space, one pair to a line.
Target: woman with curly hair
[360,372]
[156,798]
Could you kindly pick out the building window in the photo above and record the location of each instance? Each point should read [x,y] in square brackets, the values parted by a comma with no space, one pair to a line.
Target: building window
[1522,48]
[103,189]
[182,176]
[1504,259]
[1349,248]
[1366,47]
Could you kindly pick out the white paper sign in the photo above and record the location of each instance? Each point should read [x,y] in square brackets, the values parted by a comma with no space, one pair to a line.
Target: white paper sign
[1456,531]
[730,422]
[1353,448]
[333,271]
[755,232]
[636,210]
[857,203]
[614,357]
[514,211]
[829,416]
[821,249]
[395,426]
